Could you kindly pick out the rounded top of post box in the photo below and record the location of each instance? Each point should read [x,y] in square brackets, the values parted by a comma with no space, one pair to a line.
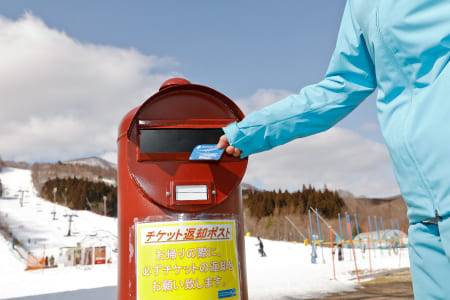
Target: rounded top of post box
[153,141]
[174,81]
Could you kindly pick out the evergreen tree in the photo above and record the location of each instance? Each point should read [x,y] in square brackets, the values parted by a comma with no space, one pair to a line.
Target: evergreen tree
[76,191]
[267,203]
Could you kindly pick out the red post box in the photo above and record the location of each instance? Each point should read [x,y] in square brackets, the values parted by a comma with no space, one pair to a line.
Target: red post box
[181,232]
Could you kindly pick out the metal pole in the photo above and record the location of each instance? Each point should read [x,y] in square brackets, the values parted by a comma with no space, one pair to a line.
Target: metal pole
[378,234]
[89,203]
[310,225]
[370,227]
[340,227]
[21,197]
[382,224]
[332,253]
[313,246]
[104,204]
[298,230]
[349,221]
[356,224]
[357,230]
[401,246]
[346,221]
[368,249]
[353,250]
[384,231]
[320,236]
[69,233]
[55,189]
[349,232]
[323,220]
[318,225]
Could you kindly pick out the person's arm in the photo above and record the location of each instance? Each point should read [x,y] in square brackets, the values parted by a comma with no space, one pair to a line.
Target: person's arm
[350,78]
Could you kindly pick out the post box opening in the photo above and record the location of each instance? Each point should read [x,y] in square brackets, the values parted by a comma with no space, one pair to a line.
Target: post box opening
[176,140]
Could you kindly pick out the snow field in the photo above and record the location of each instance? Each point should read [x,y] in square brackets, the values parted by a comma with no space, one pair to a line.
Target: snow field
[285,272]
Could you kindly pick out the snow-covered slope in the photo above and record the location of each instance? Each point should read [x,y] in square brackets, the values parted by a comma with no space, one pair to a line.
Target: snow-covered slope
[39,224]
[285,272]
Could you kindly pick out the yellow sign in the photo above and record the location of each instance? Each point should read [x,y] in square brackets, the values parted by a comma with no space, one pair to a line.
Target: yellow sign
[187,260]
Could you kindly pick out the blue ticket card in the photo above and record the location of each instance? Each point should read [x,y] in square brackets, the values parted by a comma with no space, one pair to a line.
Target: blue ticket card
[206,152]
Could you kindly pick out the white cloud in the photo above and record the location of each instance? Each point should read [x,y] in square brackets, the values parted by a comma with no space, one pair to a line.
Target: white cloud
[370,127]
[261,98]
[60,98]
[337,158]
[110,156]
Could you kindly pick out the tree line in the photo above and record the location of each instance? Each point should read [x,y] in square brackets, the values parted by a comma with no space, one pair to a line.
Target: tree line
[80,194]
[269,203]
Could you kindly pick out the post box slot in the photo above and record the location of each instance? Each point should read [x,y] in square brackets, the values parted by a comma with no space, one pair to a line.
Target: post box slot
[191,192]
[173,140]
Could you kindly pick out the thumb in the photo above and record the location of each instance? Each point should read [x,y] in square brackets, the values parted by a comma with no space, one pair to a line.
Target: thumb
[223,142]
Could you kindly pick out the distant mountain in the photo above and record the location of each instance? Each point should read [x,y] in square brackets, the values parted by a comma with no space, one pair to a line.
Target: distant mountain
[247,188]
[91,168]
[16,165]
[92,161]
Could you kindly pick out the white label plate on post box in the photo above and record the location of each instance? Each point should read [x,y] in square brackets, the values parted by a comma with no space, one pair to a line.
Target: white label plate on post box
[191,192]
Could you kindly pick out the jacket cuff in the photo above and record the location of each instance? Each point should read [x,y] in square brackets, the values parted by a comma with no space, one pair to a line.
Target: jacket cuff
[234,134]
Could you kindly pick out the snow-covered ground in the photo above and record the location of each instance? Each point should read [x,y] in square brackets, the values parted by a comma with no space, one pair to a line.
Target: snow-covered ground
[285,272]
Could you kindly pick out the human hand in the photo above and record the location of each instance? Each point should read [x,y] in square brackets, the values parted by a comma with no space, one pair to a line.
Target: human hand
[230,150]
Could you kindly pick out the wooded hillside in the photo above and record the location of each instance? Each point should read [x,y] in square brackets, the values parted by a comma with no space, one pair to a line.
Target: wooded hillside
[80,194]
[266,203]
[269,214]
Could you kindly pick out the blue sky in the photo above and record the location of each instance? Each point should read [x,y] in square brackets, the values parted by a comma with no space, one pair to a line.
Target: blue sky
[235,47]
[68,60]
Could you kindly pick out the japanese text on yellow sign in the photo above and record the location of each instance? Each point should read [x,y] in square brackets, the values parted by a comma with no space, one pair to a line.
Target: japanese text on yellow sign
[187,260]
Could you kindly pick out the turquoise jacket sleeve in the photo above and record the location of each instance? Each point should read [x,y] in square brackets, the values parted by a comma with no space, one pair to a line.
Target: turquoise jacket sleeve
[350,78]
